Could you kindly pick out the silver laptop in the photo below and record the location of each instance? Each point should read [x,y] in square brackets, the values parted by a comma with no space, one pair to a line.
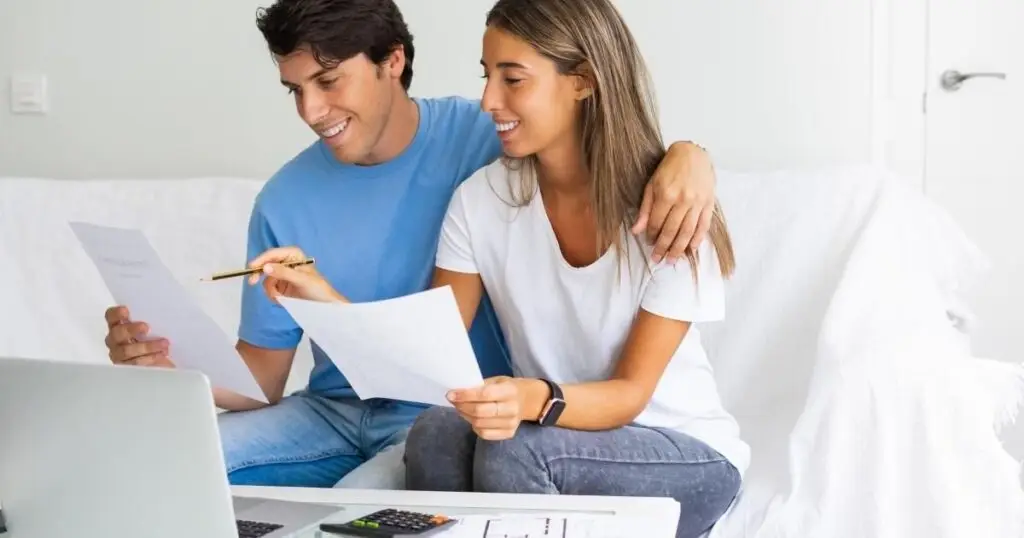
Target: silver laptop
[103,451]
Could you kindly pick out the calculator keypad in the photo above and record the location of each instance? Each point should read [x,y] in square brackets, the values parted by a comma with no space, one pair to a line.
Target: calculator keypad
[400,520]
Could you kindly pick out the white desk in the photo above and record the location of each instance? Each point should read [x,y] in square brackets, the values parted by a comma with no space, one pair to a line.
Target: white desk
[658,516]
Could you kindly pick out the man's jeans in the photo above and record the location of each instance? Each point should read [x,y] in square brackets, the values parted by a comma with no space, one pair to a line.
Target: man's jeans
[444,454]
[307,440]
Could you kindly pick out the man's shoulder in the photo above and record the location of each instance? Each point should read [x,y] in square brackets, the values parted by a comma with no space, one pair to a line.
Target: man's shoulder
[291,175]
[447,106]
[454,116]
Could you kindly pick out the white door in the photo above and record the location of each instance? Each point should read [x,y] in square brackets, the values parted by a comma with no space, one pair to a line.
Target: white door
[975,154]
[975,150]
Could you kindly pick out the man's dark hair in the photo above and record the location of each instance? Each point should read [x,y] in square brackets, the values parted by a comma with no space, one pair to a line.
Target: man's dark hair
[337,30]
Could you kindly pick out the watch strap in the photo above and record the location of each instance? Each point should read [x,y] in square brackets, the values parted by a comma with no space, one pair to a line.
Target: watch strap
[556,391]
[555,405]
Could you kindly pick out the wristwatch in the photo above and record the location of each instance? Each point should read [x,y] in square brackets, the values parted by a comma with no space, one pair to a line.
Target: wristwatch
[553,409]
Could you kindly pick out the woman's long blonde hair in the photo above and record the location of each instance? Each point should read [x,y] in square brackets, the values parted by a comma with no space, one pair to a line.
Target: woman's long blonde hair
[622,144]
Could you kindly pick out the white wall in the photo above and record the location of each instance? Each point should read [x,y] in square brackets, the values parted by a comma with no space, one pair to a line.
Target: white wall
[186,88]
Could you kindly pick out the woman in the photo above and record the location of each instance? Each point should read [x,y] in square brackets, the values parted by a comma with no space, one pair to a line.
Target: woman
[613,393]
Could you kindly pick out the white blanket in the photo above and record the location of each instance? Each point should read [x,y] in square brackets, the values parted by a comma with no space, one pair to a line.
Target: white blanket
[867,413]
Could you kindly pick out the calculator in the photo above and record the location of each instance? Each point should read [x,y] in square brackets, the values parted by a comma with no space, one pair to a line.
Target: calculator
[391,523]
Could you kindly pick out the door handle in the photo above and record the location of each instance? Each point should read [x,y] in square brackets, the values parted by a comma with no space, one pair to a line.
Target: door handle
[952,79]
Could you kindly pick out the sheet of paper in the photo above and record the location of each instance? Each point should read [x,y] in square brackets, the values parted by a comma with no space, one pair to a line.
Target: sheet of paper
[138,279]
[542,526]
[413,348]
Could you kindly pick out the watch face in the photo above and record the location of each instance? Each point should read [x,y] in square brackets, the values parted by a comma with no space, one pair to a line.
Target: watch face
[552,412]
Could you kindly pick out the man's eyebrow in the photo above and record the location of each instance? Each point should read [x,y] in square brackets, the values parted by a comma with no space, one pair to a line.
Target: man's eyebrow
[318,73]
[311,77]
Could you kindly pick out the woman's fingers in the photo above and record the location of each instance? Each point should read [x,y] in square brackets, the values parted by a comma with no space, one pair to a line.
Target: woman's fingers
[278,255]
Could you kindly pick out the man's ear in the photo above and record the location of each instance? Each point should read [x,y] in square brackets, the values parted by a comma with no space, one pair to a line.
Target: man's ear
[394,64]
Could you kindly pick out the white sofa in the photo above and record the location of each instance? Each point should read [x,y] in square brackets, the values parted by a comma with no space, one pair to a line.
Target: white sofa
[845,354]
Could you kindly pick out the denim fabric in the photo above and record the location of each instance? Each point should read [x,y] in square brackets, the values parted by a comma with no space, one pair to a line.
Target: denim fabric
[308,440]
[443,454]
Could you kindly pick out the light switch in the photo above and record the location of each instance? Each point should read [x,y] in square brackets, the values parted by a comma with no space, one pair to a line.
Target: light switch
[28,94]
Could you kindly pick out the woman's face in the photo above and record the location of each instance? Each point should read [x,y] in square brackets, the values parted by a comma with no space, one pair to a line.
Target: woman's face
[534,106]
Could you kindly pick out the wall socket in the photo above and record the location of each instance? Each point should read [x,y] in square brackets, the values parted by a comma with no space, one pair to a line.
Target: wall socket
[29,94]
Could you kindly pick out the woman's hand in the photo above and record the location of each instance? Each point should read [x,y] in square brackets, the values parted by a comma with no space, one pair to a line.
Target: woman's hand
[494,409]
[301,282]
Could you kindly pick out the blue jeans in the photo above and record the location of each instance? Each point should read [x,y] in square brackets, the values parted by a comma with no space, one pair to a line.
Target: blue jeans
[308,440]
[443,454]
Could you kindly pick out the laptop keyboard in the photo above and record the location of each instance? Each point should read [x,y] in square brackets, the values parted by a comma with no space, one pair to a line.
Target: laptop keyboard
[255,529]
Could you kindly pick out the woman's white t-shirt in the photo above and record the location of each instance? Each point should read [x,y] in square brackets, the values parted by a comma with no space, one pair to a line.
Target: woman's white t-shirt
[569,324]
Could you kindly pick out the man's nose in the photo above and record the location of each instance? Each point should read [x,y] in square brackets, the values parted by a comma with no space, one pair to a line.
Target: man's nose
[312,108]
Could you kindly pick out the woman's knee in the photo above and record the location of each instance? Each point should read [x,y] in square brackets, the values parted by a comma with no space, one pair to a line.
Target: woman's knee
[439,452]
[431,429]
[701,507]
[516,465]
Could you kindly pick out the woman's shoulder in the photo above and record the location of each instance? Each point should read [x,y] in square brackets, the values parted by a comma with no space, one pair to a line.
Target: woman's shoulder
[497,184]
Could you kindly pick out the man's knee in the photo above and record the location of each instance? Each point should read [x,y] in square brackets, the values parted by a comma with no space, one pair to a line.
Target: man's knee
[289,443]
[236,437]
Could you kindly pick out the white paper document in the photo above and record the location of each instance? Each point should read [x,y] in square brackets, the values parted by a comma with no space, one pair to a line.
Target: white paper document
[139,280]
[413,348]
[542,526]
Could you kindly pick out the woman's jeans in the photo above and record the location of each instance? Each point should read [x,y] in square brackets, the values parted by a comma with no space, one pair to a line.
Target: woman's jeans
[444,454]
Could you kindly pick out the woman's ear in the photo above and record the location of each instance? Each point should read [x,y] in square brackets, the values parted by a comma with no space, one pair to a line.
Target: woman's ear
[584,82]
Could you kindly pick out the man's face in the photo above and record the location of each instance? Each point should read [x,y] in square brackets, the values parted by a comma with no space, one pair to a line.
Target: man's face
[347,105]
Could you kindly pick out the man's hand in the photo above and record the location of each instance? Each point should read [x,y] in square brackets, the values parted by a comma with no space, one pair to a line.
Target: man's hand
[126,345]
[494,409]
[678,202]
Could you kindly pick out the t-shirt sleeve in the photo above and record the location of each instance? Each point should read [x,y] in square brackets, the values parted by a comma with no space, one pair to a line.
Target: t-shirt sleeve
[673,293]
[263,322]
[455,248]
[479,144]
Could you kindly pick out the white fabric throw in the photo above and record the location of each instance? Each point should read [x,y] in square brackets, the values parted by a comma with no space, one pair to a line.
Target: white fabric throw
[898,434]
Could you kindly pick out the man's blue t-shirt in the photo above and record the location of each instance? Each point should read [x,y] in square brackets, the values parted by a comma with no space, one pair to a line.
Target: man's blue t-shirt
[372,229]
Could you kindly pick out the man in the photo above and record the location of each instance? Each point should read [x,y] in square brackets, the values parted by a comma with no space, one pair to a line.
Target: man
[367,200]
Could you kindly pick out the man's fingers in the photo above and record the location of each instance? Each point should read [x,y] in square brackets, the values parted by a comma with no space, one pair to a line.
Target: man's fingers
[684,236]
[668,234]
[645,211]
[142,349]
[126,333]
[153,359]
[659,214]
[703,227]
[116,315]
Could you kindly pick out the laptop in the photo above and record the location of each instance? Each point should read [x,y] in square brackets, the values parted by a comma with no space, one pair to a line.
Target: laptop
[104,451]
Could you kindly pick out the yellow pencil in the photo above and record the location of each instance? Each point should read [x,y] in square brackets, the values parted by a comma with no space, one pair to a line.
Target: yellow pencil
[245,272]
